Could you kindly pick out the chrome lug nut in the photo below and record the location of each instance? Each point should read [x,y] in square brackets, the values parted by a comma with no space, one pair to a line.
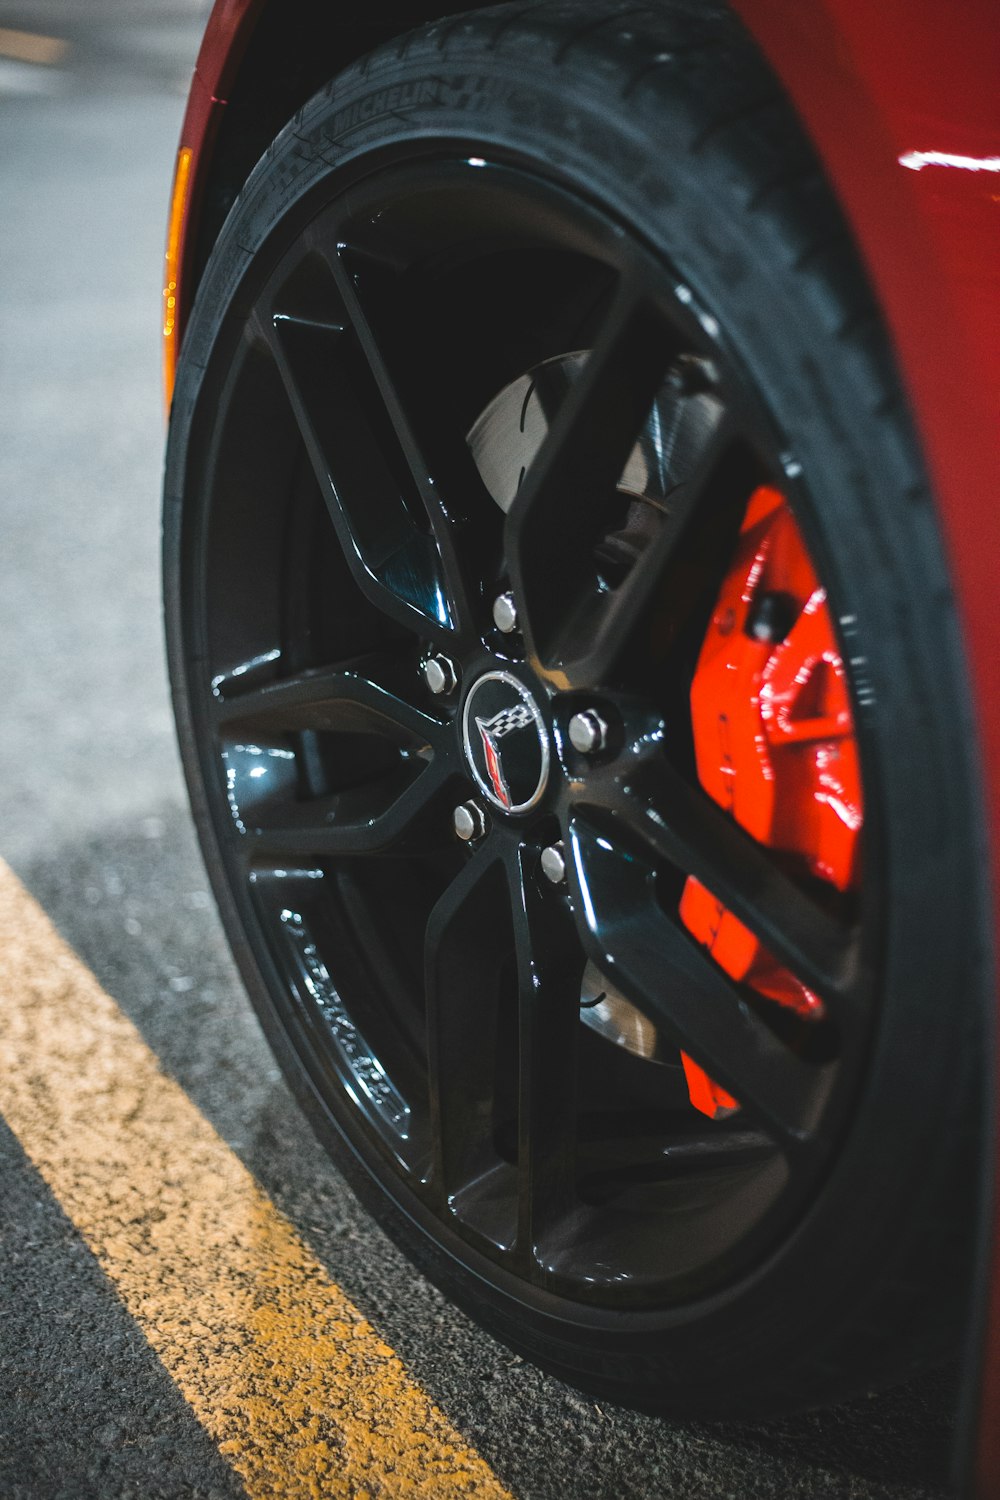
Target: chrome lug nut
[505,613]
[588,732]
[469,821]
[554,863]
[440,675]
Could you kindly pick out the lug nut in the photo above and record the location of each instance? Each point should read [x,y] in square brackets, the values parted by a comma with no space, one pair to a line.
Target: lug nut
[588,732]
[440,675]
[554,863]
[469,821]
[505,613]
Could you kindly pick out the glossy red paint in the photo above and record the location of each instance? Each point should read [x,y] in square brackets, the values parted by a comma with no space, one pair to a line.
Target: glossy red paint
[874,84]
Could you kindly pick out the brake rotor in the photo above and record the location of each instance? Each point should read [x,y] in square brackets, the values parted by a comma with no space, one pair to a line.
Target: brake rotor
[509,432]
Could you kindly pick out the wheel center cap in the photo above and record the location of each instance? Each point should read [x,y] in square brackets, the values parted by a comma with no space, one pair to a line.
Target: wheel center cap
[506,742]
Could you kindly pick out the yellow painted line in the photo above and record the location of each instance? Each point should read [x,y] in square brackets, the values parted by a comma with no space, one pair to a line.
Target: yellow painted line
[297,1390]
[28,46]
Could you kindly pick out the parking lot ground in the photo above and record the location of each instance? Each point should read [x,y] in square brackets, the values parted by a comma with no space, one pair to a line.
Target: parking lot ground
[191,1302]
[290,1381]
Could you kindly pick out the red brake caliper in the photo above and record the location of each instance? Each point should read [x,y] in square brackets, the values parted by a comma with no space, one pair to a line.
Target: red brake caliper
[774,744]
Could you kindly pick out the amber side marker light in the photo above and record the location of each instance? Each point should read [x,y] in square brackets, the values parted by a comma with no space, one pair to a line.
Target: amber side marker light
[178,208]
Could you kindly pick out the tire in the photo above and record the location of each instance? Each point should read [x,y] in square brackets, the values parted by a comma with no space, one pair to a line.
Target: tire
[422,256]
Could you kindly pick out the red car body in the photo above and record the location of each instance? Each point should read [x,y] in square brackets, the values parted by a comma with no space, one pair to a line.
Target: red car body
[901,101]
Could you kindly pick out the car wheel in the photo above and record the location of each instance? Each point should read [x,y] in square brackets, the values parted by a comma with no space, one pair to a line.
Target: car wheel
[570,696]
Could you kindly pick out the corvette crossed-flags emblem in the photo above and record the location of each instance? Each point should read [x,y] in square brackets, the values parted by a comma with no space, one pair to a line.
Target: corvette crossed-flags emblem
[519,716]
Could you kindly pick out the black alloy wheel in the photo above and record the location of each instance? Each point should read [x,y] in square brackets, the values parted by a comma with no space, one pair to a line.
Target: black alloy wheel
[474,399]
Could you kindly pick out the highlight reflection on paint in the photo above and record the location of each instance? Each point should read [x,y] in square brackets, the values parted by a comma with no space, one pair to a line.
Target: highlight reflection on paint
[917,160]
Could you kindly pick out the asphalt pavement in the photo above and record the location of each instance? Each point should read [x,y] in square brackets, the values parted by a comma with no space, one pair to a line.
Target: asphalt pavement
[94,823]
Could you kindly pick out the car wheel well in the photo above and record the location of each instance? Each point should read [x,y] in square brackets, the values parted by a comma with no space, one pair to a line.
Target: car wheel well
[294,48]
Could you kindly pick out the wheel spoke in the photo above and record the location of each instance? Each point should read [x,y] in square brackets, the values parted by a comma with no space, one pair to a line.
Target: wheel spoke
[394,561]
[568,494]
[403,811]
[467,934]
[459,510]
[549,966]
[347,699]
[666,972]
[592,643]
[678,823]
